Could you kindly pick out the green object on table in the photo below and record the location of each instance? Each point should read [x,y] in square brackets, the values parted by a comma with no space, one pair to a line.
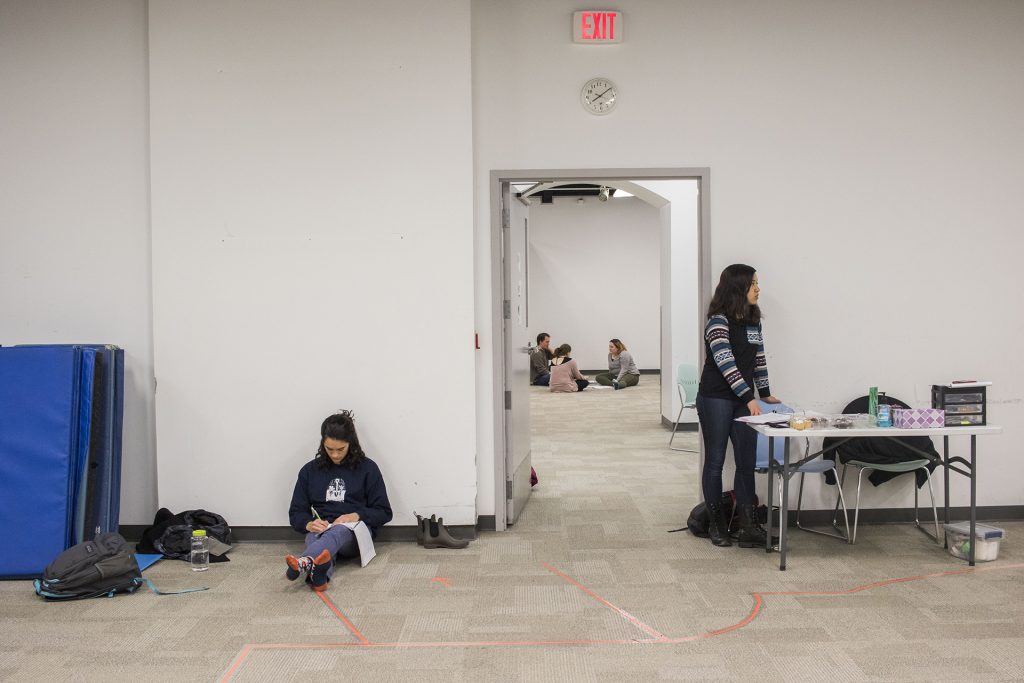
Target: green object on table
[873,401]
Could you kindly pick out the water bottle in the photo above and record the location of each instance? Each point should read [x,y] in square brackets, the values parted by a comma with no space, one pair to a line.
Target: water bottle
[200,551]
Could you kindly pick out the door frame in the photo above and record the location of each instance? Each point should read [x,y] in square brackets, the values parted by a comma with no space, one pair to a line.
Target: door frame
[498,350]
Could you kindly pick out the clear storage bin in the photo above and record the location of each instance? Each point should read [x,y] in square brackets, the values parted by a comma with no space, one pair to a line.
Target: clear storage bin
[987,540]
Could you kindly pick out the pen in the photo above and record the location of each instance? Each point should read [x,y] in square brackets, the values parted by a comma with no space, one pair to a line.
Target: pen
[315,513]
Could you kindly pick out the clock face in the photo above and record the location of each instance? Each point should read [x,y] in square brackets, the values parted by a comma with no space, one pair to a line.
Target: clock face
[598,96]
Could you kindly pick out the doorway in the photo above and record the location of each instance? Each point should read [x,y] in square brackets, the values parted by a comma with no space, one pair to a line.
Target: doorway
[510,299]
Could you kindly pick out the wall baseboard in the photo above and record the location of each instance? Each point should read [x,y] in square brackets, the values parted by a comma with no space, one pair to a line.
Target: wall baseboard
[650,371]
[815,518]
[683,426]
[285,534]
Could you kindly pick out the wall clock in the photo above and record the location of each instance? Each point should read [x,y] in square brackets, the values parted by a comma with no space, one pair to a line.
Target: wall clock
[599,96]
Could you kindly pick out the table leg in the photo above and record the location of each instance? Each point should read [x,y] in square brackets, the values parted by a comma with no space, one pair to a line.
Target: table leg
[945,471]
[784,507]
[771,488]
[974,500]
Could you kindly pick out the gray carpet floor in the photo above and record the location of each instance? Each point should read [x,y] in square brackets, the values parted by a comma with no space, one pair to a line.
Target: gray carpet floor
[588,586]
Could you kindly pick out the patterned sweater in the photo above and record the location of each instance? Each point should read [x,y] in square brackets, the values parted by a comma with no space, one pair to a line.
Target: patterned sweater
[734,360]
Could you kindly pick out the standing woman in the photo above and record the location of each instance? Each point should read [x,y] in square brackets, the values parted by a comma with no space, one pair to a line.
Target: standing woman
[622,370]
[734,368]
[565,374]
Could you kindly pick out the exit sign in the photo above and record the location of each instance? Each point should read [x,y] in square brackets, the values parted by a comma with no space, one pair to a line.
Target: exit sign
[596,26]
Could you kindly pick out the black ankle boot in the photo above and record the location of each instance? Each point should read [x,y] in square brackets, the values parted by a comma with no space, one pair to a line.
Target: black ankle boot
[718,527]
[752,534]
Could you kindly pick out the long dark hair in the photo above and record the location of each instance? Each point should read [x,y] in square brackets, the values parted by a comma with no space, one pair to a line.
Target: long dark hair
[730,297]
[341,427]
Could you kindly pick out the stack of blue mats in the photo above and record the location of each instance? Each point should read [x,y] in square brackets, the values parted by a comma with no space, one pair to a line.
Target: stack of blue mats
[61,415]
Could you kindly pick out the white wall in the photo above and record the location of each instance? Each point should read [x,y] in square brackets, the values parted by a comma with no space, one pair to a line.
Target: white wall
[680,290]
[282,135]
[833,133]
[74,212]
[594,271]
[304,260]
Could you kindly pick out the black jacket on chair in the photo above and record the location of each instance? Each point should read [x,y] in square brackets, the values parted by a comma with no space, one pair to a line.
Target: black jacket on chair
[880,450]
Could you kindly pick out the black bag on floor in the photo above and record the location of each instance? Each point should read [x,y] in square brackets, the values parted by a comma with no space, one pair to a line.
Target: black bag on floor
[105,566]
[699,519]
[171,534]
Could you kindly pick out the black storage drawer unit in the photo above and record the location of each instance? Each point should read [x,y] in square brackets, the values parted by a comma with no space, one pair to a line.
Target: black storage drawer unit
[963,405]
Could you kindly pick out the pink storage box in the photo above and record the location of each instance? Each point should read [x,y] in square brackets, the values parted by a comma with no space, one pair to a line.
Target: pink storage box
[918,418]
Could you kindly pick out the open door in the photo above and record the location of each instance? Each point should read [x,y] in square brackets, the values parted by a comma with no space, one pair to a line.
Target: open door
[515,217]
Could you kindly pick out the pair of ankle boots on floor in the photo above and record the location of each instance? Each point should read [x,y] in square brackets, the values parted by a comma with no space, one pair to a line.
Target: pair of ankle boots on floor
[751,533]
[432,533]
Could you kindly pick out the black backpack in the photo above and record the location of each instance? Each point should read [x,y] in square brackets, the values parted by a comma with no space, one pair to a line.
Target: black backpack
[101,567]
[699,520]
[171,535]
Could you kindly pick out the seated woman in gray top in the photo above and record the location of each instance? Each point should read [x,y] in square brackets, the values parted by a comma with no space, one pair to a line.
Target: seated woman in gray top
[622,370]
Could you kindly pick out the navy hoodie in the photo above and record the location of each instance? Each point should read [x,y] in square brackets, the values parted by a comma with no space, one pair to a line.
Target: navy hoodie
[338,490]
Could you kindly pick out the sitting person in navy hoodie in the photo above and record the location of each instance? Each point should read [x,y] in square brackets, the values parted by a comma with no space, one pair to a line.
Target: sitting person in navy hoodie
[339,485]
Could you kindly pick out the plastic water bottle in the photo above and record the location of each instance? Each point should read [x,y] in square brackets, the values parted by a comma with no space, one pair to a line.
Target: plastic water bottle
[200,551]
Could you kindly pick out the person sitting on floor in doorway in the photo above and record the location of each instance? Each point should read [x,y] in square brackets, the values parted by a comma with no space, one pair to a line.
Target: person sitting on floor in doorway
[540,360]
[622,370]
[565,374]
[340,485]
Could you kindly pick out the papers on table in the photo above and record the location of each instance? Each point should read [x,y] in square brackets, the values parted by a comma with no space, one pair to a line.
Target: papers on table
[764,418]
[960,384]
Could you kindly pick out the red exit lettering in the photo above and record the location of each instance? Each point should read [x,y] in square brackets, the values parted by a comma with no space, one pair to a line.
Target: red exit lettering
[598,26]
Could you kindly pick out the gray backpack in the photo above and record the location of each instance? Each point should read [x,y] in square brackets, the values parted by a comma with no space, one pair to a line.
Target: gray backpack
[101,567]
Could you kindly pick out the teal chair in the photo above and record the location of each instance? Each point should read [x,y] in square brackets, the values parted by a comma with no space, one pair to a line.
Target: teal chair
[686,385]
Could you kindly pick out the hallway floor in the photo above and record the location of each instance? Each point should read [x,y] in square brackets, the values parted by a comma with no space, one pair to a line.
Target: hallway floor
[588,586]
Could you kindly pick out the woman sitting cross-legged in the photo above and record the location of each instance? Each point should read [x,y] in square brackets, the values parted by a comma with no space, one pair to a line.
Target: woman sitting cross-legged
[339,485]
[622,370]
[565,374]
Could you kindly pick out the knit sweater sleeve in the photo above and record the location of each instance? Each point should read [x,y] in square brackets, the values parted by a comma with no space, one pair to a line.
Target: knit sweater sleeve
[716,333]
[761,367]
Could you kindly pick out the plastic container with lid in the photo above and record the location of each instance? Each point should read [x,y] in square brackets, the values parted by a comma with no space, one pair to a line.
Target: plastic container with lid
[987,540]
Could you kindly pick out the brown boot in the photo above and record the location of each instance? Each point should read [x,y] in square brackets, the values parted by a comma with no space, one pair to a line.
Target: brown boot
[421,529]
[438,536]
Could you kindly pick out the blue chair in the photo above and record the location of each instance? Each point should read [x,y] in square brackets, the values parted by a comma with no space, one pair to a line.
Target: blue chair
[686,385]
[819,466]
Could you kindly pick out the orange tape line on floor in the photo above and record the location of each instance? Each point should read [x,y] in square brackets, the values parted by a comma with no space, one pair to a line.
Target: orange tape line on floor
[658,639]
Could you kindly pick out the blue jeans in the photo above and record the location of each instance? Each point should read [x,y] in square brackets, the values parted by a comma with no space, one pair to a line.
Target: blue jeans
[542,380]
[339,540]
[716,416]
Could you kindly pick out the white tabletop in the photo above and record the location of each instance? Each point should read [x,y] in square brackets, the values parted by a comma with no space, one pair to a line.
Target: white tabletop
[876,431]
